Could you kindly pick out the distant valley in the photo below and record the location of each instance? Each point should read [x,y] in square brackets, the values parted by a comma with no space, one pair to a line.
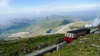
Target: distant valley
[33,27]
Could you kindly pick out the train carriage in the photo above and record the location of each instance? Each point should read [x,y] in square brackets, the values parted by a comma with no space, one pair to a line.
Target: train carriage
[71,35]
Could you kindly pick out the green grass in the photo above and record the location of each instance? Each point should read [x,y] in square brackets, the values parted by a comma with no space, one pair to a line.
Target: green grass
[83,46]
[27,45]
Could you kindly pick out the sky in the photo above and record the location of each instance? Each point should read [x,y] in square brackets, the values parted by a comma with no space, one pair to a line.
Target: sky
[17,8]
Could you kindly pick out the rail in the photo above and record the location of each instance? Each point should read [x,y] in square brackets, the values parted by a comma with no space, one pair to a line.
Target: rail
[47,49]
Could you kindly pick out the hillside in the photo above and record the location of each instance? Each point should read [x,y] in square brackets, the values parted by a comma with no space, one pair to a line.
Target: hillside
[14,25]
[70,26]
[88,45]
[38,27]
[27,45]
[41,28]
[23,27]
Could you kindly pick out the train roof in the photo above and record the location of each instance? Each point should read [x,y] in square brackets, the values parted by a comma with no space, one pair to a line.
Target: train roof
[78,30]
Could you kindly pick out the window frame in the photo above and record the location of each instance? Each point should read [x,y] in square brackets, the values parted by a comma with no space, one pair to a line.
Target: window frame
[70,35]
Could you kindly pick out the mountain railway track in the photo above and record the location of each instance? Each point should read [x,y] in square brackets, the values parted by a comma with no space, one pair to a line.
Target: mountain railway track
[47,49]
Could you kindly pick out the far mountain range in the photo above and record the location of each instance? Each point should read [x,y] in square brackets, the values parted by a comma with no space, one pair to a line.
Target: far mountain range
[38,26]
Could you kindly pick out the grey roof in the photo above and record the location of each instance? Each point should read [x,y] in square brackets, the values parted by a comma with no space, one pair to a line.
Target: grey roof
[78,30]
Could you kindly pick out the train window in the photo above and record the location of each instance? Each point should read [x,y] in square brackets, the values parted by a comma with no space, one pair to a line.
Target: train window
[72,35]
[67,34]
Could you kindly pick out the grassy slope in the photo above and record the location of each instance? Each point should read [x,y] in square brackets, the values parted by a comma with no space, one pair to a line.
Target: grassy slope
[27,45]
[83,46]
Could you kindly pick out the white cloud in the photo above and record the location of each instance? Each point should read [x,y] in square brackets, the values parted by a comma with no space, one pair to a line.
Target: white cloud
[76,7]
[4,3]
[50,9]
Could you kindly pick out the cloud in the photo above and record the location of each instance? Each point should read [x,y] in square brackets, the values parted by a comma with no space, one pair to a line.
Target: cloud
[4,4]
[75,7]
[53,7]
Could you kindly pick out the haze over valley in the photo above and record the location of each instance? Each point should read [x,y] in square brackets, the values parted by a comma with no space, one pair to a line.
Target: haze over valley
[28,27]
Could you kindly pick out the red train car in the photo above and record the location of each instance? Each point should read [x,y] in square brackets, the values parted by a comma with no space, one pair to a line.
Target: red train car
[74,34]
